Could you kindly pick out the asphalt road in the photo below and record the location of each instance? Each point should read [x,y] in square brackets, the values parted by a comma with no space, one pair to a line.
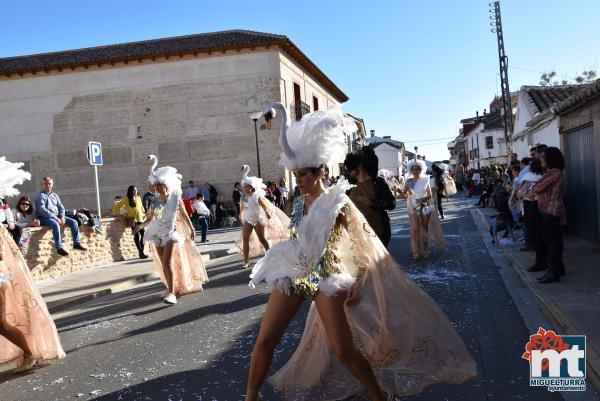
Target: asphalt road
[130,346]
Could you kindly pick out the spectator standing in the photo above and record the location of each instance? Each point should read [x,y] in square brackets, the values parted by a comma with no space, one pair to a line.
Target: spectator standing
[8,220]
[236,196]
[550,195]
[213,200]
[25,218]
[191,191]
[149,198]
[284,193]
[202,213]
[530,208]
[51,213]
[134,216]
[276,194]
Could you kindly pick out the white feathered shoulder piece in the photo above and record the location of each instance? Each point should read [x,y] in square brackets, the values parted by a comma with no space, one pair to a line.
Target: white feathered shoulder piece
[290,259]
[11,175]
[317,139]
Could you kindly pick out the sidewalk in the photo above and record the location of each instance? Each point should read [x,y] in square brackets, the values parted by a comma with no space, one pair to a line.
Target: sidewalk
[73,289]
[573,304]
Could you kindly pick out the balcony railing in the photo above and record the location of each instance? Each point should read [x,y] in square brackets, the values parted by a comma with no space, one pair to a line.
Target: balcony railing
[298,109]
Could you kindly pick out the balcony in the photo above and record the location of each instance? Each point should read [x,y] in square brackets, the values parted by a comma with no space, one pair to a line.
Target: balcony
[298,109]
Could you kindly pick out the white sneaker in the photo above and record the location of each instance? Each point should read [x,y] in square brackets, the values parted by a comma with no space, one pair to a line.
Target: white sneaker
[170,299]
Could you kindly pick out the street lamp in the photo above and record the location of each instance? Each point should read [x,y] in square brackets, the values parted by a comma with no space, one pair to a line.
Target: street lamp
[254,116]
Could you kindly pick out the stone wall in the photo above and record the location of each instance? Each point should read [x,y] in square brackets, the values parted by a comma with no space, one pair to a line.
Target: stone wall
[192,114]
[114,243]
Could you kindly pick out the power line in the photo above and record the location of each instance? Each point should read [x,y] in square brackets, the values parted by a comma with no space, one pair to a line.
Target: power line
[537,72]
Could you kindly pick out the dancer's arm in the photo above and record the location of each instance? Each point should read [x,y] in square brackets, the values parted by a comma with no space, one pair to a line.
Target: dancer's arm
[149,218]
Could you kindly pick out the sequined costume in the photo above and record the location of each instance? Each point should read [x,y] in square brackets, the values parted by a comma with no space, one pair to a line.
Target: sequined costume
[401,331]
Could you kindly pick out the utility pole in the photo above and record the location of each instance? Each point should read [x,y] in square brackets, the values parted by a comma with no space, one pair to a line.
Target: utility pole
[496,25]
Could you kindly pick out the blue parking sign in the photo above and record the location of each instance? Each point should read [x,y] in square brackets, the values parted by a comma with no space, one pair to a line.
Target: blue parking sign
[94,153]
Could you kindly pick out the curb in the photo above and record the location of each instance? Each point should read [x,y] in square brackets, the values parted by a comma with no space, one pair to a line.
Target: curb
[67,303]
[556,316]
[63,304]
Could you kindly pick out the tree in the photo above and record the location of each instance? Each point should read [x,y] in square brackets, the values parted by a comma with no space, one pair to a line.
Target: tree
[586,77]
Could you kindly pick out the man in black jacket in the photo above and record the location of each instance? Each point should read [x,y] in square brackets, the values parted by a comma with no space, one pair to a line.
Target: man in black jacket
[372,195]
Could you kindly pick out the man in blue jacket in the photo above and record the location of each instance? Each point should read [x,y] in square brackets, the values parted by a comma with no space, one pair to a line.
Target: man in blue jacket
[51,213]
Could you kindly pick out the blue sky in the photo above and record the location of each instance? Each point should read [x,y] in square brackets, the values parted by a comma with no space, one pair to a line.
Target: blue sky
[412,69]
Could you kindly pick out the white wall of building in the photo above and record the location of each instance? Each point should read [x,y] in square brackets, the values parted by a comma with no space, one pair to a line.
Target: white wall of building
[390,158]
[547,133]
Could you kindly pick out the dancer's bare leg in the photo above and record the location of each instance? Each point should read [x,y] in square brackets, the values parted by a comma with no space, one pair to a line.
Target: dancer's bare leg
[164,253]
[260,232]
[414,234]
[246,233]
[425,234]
[280,310]
[331,311]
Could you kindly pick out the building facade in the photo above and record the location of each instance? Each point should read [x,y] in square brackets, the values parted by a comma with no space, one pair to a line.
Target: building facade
[390,153]
[185,99]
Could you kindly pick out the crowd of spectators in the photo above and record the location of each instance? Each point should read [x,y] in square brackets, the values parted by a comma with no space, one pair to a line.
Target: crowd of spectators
[46,210]
[528,195]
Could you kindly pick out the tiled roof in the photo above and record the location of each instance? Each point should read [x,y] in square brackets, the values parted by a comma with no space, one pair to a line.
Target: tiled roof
[583,93]
[589,92]
[542,97]
[174,46]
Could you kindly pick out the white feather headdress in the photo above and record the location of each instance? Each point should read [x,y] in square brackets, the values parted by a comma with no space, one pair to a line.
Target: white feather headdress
[317,139]
[165,175]
[417,162]
[11,175]
[255,182]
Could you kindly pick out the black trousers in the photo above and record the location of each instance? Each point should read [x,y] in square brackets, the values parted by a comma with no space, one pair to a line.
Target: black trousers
[15,232]
[551,248]
[439,204]
[138,238]
[530,211]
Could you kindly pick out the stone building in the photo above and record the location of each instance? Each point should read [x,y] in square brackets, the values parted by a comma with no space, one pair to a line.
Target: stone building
[185,99]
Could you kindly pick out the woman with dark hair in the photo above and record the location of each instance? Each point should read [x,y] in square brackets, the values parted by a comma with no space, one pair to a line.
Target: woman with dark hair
[371,195]
[25,218]
[550,196]
[134,216]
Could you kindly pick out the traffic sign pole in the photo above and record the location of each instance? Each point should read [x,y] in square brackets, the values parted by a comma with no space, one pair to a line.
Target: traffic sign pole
[97,192]
[94,155]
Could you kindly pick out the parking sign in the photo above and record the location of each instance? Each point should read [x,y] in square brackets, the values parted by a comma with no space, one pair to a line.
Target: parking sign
[94,153]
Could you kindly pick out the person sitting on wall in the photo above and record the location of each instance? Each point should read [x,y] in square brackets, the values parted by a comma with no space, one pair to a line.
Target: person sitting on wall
[7,218]
[51,213]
